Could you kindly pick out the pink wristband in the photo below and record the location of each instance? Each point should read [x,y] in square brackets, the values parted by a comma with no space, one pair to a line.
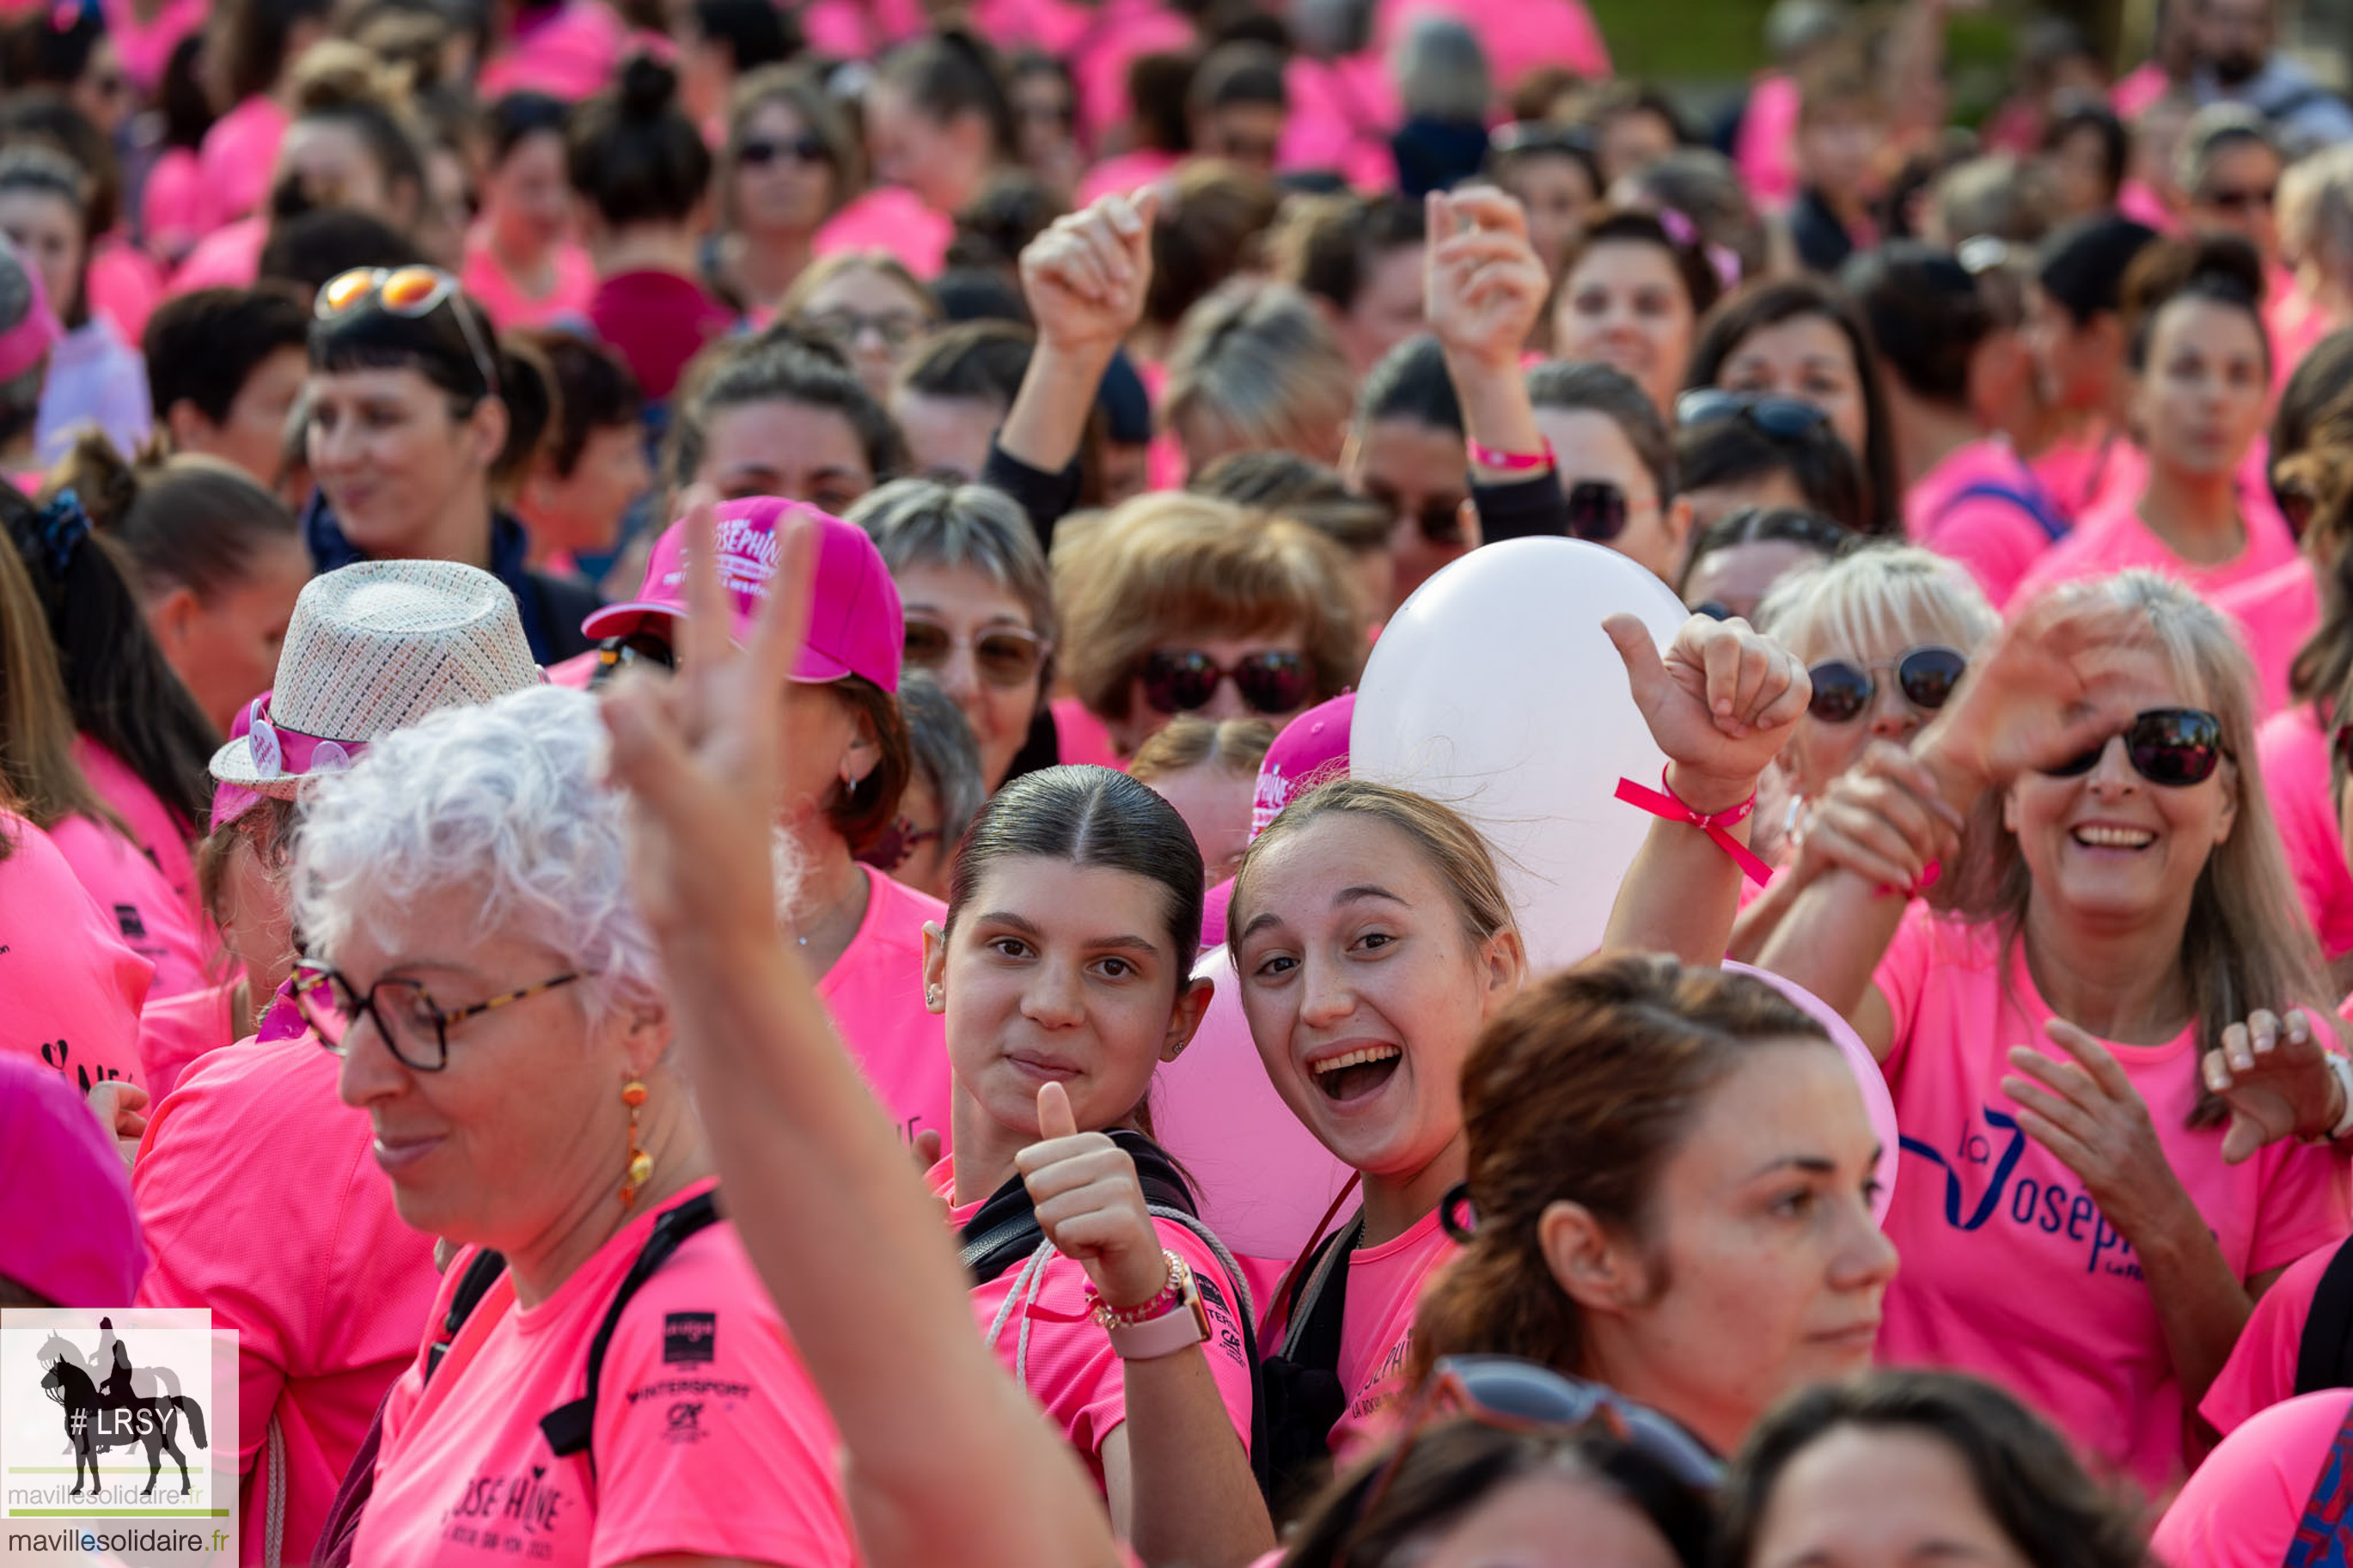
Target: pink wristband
[1509,462]
[1663,802]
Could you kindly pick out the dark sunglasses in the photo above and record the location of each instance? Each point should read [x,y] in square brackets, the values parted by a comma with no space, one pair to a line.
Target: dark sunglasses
[807,149]
[897,845]
[1002,657]
[615,654]
[2243,201]
[1843,690]
[2172,748]
[1782,418]
[1506,1395]
[1178,680]
[1597,510]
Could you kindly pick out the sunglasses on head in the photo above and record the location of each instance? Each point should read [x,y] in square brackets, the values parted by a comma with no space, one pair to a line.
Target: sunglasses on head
[807,149]
[1597,510]
[1002,657]
[1178,680]
[1843,690]
[1782,418]
[2170,747]
[1506,1395]
[408,291]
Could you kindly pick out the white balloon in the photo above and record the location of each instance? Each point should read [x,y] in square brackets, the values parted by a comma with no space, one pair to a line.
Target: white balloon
[1495,691]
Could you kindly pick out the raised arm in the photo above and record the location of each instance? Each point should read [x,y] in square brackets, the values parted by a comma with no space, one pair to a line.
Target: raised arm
[1084,280]
[947,1461]
[1720,705]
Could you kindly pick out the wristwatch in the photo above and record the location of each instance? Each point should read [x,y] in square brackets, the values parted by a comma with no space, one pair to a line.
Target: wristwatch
[1173,1320]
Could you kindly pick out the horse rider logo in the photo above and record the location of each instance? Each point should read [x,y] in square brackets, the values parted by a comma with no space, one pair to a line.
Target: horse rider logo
[118,1407]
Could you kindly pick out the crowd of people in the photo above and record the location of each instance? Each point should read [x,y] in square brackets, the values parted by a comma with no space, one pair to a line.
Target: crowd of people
[660,661]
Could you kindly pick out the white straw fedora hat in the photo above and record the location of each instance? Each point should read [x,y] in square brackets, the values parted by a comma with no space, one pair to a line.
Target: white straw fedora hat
[372,648]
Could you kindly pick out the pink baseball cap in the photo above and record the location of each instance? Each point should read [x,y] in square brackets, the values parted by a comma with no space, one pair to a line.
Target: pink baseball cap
[1311,749]
[68,1232]
[856,626]
[32,335]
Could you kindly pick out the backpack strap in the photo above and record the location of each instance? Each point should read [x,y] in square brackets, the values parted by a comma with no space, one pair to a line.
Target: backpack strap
[2033,503]
[472,1286]
[570,1427]
[2323,1357]
[1245,1312]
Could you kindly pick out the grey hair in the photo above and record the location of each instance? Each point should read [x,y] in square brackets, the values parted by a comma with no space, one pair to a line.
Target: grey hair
[2212,131]
[506,801]
[1441,73]
[946,753]
[1254,363]
[921,522]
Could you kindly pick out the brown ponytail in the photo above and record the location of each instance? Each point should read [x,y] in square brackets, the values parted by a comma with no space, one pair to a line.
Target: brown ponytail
[1579,1092]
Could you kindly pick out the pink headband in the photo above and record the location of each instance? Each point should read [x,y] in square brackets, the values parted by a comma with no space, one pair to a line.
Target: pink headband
[1685,233]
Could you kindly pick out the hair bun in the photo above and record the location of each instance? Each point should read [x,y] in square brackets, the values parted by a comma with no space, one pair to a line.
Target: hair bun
[2219,264]
[647,88]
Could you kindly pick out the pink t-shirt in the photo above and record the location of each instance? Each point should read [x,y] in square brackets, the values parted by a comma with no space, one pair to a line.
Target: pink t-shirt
[509,307]
[1115,35]
[1341,113]
[1126,173]
[176,206]
[2275,614]
[153,826]
[2261,1372]
[2085,477]
[2139,201]
[875,994]
[860,29]
[2011,1271]
[2292,752]
[1067,1365]
[1385,1285]
[709,1438]
[262,1201]
[2114,539]
[70,990]
[894,219]
[174,1031]
[1516,39]
[145,48]
[566,51]
[1997,538]
[228,258]
[150,919]
[1082,739]
[240,152]
[2138,88]
[2243,1507]
[1766,148]
[125,286]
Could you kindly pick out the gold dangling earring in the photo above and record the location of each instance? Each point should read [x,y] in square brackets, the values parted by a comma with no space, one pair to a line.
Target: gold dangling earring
[640,1168]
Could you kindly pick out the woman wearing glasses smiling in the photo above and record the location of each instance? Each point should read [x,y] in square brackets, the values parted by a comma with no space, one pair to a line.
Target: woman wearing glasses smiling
[789,164]
[2088,1203]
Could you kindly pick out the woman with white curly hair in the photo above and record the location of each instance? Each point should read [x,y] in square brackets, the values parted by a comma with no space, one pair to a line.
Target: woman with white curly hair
[605,1380]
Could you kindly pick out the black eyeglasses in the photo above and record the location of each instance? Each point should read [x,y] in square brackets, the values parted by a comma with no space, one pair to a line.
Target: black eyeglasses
[1927,676]
[1002,657]
[2172,748]
[415,1030]
[1507,1394]
[1597,510]
[807,149]
[1782,418]
[1178,680]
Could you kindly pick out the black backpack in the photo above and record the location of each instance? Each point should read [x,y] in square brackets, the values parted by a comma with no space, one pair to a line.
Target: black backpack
[1004,1232]
[569,1426]
[1303,1396]
[2323,1357]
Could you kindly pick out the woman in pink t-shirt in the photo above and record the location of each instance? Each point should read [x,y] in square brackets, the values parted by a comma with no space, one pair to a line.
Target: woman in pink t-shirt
[791,162]
[521,262]
[1373,941]
[1063,968]
[1672,1175]
[2077,1223]
[491,990]
[2200,369]
[2274,1492]
[70,991]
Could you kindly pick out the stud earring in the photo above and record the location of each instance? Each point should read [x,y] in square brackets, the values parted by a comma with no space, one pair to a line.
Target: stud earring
[932,998]
[640,1167]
